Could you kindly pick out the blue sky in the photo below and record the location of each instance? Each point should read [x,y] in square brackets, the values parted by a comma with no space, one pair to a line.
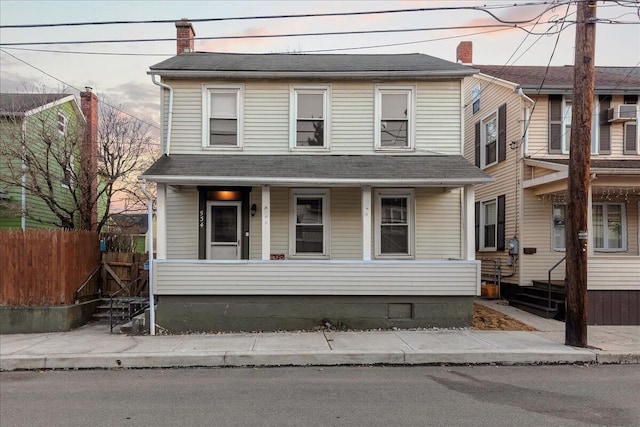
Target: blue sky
[123,79]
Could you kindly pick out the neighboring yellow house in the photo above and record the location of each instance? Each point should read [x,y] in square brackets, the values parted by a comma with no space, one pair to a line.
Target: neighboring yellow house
[517,128]
[303,189]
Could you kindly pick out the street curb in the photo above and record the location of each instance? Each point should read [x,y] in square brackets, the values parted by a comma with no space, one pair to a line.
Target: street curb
[617,358]
[311,358]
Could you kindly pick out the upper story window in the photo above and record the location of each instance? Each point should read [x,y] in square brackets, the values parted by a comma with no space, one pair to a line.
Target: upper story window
[222,124]
[395,117]
[309,223]
[475,99]
[630,134]
[68,176]
[560,116]
[489,142]
[62,124]
[309,116]
[394,219]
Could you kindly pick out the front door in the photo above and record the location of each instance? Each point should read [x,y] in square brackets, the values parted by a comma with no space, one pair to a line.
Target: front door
[223,230]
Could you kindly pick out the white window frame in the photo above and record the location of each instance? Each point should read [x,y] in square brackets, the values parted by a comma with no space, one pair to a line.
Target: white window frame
[483,139]
[553,230]
[69,167]
[207,90]
[595,127]
[483,224]
[623,231]
[64,122]
[326,221]
[409,194]
[409,90]
[475,100]
[325,91]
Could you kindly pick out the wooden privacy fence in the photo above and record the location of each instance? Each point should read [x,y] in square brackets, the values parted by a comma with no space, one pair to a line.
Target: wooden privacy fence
[123,273]
[45,267]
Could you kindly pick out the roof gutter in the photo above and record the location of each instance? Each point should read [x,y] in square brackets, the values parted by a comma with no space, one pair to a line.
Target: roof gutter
[170,113]
[275,75]
[228,180]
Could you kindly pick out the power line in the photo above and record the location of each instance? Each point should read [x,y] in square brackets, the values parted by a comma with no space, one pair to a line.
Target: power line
[73,87]
[484,9]
[268,36]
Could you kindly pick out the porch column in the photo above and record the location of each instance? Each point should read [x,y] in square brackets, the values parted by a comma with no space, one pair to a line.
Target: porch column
[161,223]
[266,222]
[366,223]
[469,227]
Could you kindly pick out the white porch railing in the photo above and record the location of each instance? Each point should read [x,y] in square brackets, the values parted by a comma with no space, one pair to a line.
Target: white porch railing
[608,272]
[294,277]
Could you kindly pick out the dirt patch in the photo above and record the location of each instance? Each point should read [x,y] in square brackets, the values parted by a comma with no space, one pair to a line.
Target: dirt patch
[486,319]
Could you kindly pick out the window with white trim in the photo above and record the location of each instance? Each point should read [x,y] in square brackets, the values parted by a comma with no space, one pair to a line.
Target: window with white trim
[630,138]
[489,225]
[309,223]
[222,116]
[475,99]
[489,141]
[559,218]
[62,124]
[309,116]
[68,180]
[395,117]
[567,115]
[609,227]
[394,223]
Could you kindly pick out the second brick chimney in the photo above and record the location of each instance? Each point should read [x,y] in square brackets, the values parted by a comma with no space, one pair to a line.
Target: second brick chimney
[89,161]
[464,53]
[185,36]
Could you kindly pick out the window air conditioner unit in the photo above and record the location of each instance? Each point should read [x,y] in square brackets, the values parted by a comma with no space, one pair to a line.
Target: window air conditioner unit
[623,113]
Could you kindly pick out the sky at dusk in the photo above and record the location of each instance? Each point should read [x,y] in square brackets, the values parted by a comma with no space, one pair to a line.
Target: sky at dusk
[117,71]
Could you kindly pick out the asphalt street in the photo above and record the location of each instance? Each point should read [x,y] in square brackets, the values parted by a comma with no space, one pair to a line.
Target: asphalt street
[568,395]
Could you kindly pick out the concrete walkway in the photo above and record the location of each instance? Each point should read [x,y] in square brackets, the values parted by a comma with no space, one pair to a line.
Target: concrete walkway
[92,346]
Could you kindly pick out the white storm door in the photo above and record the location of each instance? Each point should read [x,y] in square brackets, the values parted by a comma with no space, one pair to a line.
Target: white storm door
[223,230]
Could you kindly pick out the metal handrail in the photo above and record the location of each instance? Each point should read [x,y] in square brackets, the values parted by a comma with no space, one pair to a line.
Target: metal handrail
[86,282]
[115,294]
[549,280]
[497,272]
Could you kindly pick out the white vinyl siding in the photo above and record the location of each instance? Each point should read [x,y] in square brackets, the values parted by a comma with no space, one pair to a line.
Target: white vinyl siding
[266,117]
[316,277]
[437,224]
[182,223]
[346,224]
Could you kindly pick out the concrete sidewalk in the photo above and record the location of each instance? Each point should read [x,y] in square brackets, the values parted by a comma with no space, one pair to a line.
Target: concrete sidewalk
[92,346]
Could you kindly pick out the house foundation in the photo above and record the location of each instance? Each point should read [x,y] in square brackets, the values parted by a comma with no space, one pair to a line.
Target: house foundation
[39,319]
[179,314]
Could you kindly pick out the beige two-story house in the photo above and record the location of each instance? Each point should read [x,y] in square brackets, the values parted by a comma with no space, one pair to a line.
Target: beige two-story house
[517,127]
[300,190]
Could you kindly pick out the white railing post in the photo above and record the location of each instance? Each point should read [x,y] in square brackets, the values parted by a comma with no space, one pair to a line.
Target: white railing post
[266,222]
[469,223]
[366,223]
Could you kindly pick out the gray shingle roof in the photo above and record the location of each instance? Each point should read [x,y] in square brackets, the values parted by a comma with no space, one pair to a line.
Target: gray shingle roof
[620,79]
[305,65]
[13,104]
[381,170]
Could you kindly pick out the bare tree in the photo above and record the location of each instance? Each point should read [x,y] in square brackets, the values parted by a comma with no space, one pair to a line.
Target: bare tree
[70,180]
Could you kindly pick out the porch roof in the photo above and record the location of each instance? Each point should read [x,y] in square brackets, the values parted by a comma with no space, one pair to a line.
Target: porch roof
[626,166]
[315,170]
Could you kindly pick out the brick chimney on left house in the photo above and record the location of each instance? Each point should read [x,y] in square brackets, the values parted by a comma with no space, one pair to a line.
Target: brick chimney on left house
[185,36]
[89,161]
[464,53]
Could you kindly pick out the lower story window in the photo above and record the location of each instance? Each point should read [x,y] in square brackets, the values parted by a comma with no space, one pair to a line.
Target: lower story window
[489,221]
[394,224]
[608,225]
[309,223]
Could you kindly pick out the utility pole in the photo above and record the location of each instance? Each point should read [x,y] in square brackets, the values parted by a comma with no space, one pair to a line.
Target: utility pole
[579,172]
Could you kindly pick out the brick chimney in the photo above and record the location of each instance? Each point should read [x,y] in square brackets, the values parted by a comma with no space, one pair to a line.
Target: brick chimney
[185,36]
[464,53]
[89,161]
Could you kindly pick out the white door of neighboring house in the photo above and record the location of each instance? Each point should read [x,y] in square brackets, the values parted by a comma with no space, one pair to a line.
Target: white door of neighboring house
[223,230]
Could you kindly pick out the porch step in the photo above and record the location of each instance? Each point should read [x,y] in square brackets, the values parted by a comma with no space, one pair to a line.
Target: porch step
[538,300]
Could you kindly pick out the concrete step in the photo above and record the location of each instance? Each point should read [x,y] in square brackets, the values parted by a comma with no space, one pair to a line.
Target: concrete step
[537,309]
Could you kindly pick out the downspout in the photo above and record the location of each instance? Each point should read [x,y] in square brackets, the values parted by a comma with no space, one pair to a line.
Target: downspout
[527,117]
[152,305]
[170,113]
[23,179]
